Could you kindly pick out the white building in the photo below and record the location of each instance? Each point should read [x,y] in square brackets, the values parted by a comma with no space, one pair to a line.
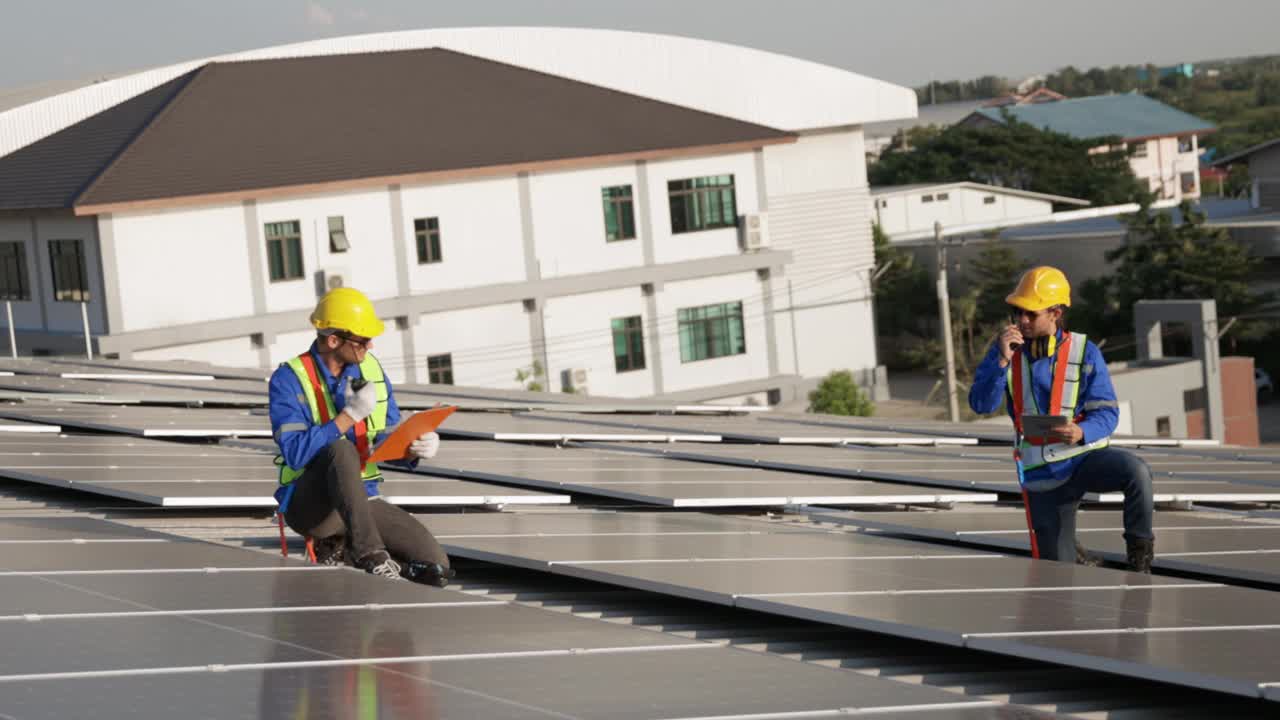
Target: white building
[915,208]
[506,196]
[1163,140]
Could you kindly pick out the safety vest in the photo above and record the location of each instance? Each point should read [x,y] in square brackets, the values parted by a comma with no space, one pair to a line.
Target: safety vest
[1068,372]
[315,391]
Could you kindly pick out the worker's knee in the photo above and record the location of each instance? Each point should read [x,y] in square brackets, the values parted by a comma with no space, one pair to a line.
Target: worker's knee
[344,456]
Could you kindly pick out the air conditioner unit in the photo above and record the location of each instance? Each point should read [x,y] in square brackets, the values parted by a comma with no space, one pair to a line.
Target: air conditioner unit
[331,278]
[755,231]
[575,381]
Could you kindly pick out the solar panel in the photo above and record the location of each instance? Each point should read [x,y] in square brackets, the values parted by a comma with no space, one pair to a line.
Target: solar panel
[14,426]
[145,421]
[66,528]
[1226,546]
[656,480]
[526,428]
[947,599]
[745,428]
[128,392]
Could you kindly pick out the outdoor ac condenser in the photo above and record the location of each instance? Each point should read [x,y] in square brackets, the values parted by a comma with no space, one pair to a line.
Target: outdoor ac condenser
[755,231]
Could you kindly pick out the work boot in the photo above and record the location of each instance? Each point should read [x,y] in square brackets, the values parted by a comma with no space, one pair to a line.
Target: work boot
[428,573]
[1139,554]
[331,551]
[379,563]
[1084,557]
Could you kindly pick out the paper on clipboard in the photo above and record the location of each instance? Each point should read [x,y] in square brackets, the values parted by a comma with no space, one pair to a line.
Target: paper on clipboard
[396,446]
[1041,426]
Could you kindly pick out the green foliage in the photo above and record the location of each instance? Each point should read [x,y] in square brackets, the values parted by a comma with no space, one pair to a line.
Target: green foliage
[532,378]
[903,290]
[838,394]
[992,275]
[1015,155]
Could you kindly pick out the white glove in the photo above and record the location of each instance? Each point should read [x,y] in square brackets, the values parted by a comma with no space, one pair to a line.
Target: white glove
[425,447]
[360,404]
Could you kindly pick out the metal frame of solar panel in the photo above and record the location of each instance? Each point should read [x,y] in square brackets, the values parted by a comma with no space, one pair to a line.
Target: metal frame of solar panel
[167,474]
[1220,545]
[668,482]
[124,392]
[217,631]
[145,421]
[527,428]
[1065,613]
[18,426]
[744,428]
[947,467]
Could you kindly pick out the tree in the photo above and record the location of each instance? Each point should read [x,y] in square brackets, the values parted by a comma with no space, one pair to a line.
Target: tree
[902,289]
[531,378]
[838,394]
[1015,155]
[991,276]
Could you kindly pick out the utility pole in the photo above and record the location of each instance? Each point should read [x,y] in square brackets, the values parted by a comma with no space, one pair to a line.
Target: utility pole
[944,312]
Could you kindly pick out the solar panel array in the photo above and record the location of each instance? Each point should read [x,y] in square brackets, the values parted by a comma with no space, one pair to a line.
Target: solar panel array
[1193,633]
[99,619]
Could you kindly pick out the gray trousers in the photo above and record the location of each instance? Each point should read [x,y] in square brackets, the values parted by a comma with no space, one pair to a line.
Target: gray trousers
[1106,470]
[329,499]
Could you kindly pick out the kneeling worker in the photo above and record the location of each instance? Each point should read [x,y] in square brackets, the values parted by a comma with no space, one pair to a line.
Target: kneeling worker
[1038,367]
[328,406]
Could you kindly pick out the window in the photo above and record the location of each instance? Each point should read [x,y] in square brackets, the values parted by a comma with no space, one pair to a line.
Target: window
[711,331]
[619,214]
[884,203]
[284,250]
[70,282]
[1163,426]
[702,203]
[440,369]
[13,272]
[1188,180]
[1186,144]
[338,235]
[427,233]
[628,344]
[1139,149]
[989,200]
[926,198]
[943,197]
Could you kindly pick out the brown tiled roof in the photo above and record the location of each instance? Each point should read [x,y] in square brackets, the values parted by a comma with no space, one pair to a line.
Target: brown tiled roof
[260,125]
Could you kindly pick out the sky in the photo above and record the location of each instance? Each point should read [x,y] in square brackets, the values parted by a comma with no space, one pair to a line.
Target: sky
[903,41]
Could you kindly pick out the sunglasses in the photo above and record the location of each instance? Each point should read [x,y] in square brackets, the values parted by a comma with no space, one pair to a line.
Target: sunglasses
[1017,314]
[362,343]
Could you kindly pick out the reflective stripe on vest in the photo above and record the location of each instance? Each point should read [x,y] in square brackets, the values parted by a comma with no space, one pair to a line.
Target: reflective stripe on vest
[371,371]
[1067,373]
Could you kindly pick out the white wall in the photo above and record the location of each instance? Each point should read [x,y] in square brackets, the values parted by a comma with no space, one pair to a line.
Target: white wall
[488,344]
[907,212]
[568,221]
[1164,164]
[26,314]
[579,335]
[703,243]
[371,261]
[181,266]
[753,364]
[480,238]
[66,316]
[234,352]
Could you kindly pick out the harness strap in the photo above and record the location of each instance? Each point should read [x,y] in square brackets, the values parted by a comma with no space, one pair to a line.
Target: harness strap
[317,387]
[1061,360]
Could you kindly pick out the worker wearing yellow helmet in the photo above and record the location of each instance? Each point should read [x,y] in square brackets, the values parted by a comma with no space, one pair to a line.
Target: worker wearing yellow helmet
[328,407]
[1056,388]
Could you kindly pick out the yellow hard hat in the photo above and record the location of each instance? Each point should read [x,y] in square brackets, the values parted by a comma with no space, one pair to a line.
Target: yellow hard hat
[1041,287]
[347,309]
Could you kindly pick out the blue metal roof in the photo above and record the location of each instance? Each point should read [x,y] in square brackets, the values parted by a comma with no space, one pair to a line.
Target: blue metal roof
[1130,116]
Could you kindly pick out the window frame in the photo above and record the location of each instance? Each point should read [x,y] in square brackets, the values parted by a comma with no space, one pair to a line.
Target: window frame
[1186,144]
[445,369]
[632,336]
[61,291]
[338,240]
[620,209]
[1140,149]
[1185,186]
[278,266]
[700,196]
[700,329]
[428,240]
[16,270]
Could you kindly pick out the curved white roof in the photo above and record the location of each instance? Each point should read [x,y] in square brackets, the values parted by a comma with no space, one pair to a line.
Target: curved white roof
[738,82]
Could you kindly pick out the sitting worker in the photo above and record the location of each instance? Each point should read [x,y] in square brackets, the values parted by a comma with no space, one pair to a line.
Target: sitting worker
[1039,368]
[328,406]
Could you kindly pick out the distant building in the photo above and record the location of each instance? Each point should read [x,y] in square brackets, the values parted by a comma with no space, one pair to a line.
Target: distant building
[1186,70]
[879,135]
[1039,95]
[638,214]
[915,208]
[1263,161]
[1163,139]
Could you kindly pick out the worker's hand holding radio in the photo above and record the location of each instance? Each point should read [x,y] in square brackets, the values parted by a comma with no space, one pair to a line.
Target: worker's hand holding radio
[360,402]
[1010,340]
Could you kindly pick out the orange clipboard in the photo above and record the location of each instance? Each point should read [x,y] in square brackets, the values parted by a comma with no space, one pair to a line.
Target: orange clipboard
[396,446]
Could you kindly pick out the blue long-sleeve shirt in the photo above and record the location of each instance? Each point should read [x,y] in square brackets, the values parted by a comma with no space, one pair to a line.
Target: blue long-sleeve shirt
[297,434]
[1097,400]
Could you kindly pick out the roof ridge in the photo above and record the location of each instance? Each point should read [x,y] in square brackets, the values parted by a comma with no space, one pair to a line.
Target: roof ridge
[128,145]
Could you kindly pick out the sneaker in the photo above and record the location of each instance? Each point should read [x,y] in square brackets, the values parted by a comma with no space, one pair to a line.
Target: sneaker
[428,573]
[379,563]
[330,551]
[1139,554]
[1084,557]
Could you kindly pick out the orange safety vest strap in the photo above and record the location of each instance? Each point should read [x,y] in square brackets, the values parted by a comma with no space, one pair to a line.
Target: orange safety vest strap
[361,428]
[1061,359]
